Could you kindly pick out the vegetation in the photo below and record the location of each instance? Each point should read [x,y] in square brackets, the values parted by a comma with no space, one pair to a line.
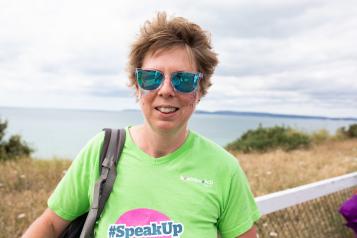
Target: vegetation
[277,170]
[321,136]
[264,139]
[14,148]
[26,184]
[286,138]
[350,132]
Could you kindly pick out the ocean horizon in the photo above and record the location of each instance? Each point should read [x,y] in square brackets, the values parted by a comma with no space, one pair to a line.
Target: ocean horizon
[61,133]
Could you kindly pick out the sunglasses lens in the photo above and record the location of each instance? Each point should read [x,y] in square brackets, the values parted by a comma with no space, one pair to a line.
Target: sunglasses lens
[185,82]
[149,79]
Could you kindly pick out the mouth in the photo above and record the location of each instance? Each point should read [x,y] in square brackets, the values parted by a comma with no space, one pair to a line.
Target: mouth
[167,109]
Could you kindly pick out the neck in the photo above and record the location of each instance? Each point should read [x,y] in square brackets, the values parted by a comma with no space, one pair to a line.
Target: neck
[157,144]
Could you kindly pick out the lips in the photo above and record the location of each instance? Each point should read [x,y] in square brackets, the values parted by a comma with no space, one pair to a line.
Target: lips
[167,109]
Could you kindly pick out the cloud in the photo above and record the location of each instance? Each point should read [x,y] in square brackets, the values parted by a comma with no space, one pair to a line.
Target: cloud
[274,55]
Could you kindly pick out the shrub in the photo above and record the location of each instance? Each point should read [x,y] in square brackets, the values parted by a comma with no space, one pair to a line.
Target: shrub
[320,136]
[350,132]
[3,126]
[14,148]
[340,134]
[263,139]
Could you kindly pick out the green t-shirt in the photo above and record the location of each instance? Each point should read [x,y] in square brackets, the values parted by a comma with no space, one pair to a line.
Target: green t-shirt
[195,191]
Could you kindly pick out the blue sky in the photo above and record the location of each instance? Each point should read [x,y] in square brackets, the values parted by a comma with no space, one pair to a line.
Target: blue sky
[279,56]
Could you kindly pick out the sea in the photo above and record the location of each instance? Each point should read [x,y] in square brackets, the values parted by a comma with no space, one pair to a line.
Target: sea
[61,133]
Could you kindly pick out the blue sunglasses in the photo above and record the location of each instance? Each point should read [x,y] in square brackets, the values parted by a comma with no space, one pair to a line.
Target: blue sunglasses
[183,82]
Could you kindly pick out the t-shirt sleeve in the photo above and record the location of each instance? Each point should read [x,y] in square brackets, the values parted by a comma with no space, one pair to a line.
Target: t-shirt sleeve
[240,210]
[73,194]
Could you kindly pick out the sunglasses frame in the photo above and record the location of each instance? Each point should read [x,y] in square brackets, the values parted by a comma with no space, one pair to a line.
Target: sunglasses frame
[200,76]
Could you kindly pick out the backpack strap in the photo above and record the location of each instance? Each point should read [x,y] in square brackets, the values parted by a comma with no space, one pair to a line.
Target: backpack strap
[104,149]
[111,151]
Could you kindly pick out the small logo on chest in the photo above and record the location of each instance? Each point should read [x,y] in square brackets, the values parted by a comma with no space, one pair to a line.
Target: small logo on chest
[204,182]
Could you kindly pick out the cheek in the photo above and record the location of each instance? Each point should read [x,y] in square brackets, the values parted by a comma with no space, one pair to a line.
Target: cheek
[189,100]
[145,98]
[141,93]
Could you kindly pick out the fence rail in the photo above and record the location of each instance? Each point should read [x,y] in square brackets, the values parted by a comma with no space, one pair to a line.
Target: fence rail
[279,200]
[307,211]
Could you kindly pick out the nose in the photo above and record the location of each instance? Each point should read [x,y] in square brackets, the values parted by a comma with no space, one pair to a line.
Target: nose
[166,90]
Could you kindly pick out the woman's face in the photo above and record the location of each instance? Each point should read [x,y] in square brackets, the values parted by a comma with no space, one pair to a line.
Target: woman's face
[164,109]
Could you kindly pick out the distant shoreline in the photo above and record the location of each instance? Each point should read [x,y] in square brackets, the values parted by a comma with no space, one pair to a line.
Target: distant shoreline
[223,112]
[262,114]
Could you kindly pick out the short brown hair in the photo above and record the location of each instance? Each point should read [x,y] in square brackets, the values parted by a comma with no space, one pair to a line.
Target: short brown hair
[163,33]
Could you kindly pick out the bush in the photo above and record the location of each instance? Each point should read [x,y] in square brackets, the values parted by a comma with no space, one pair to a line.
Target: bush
[263,139]
[13,148]
[320,136]
[340,134]
[3,126]
[350,132]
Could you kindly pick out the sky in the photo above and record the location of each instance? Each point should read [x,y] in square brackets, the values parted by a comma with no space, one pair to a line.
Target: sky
[277,56]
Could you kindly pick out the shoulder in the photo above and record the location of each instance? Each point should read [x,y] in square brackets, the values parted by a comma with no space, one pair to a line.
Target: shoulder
[88,156]
[214,154]
[96,140]
[94,144]
[72,195]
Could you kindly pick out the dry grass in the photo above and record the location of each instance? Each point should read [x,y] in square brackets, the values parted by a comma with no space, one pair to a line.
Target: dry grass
[24,187]
[278,170]
[26,184]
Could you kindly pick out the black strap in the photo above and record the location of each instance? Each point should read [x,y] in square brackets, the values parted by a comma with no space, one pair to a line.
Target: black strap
[104,184]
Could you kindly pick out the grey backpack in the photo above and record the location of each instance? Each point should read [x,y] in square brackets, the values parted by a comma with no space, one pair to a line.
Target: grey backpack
[83,226]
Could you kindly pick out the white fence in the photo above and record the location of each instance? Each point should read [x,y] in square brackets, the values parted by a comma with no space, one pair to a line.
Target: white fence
[276,201]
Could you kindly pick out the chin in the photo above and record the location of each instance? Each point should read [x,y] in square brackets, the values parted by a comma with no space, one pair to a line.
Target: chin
[168,127]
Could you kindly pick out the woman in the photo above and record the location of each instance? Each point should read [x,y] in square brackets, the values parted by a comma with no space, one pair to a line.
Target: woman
[171,181]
